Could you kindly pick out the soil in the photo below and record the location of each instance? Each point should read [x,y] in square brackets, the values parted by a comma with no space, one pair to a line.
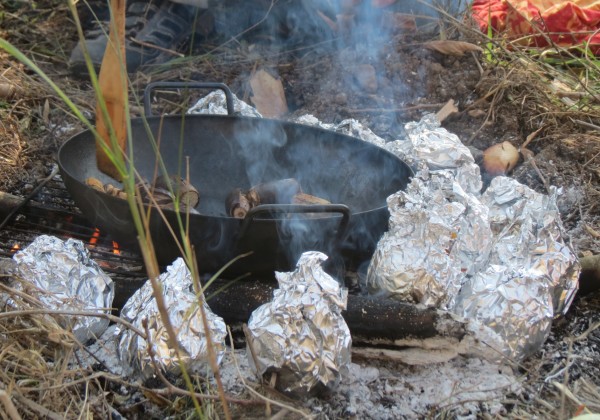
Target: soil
[383,82]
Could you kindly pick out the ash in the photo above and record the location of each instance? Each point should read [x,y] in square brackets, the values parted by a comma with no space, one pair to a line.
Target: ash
[385,389]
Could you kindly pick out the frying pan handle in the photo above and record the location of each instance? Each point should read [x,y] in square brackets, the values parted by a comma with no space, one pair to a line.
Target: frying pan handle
[297,208]
[186,85]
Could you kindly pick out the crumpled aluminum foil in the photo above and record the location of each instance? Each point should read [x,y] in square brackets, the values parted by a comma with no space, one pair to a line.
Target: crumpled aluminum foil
[356,129]
[514,303]
[529,233]
[349,127]
[65,277]
[215,104]
[301,334]
[438,234]
[533,274]
[428,142]
[186,317]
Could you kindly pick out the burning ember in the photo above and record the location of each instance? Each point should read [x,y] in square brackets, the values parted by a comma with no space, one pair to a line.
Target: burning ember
[15,248]
[94,238]
[93,242]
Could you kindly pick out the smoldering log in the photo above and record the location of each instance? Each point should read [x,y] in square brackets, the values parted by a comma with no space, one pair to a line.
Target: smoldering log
[371,320]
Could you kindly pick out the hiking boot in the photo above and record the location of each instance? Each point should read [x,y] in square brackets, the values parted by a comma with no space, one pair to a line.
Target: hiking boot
[152,29]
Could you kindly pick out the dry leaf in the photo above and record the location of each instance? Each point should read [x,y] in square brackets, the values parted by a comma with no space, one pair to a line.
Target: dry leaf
[448,109]
[476,113]
[451,47]
[267,95]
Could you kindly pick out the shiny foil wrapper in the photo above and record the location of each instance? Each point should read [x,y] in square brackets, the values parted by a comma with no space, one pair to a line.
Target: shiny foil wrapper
[529,233]
[309,119]
[433,145]
[62,276]
[215,104]
[301,334]
[348,127]
[514,303]
[438,234]
[186,317]
[533,274]
[356,129]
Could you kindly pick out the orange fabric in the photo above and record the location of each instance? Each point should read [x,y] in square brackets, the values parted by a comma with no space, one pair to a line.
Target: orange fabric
[566,23]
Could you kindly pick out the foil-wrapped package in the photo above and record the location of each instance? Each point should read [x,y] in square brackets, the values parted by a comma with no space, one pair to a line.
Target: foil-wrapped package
[514,303]
[356,129]
[215,104]
[301,334]
[349,127]
[529,233]
[61,275]
[533,274]
[183,307]
[309,119]
[438,234]
[432,144]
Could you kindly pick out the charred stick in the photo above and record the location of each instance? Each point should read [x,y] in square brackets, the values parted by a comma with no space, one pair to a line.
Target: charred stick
[29,196]
[380,321]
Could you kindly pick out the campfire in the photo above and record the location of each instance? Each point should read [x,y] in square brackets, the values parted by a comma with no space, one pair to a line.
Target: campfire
[384,271]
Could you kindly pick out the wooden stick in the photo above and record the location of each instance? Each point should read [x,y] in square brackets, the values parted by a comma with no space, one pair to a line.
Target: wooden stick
[113,88]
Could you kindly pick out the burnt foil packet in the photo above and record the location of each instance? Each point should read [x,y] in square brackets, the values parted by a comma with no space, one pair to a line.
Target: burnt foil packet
[186,317]
[61,275]
[215,104]
[438,234]
[430,144]
[301,334]
[533,274]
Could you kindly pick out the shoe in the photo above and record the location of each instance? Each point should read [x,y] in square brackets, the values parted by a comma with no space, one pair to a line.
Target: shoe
[151,27]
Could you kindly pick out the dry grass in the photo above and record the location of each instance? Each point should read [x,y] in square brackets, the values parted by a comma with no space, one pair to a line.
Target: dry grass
[36,364]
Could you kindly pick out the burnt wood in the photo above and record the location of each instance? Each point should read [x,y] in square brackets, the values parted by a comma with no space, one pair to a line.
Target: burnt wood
[370,320]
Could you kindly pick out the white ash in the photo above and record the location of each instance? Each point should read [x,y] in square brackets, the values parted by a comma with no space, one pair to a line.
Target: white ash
[384,389]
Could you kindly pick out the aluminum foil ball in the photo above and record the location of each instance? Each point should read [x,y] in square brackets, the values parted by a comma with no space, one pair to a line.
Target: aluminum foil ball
[64,277]
[438,235]
[183,307]
[301,335]
[517,305]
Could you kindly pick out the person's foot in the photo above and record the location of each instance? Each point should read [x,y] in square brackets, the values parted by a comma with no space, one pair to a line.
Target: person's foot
[153,29]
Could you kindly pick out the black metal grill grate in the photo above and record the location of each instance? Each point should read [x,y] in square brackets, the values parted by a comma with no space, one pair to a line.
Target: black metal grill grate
[52,212]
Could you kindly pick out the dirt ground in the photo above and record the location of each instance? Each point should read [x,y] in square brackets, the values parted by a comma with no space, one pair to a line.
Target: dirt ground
[383,82]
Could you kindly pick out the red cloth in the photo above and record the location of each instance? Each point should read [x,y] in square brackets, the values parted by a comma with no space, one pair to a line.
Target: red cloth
[566,23]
